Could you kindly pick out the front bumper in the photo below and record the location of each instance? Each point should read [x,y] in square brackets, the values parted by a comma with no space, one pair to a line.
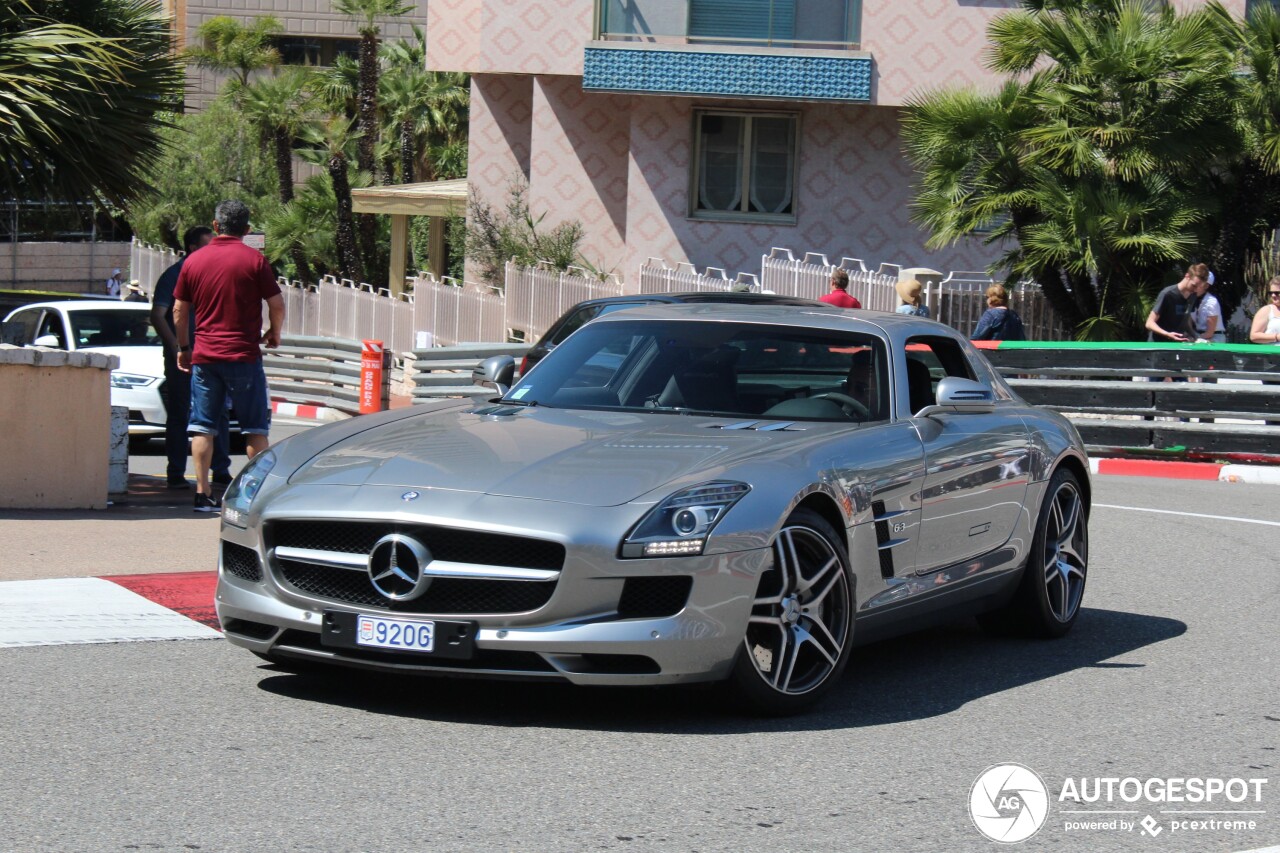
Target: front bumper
[578,635]
[147,414]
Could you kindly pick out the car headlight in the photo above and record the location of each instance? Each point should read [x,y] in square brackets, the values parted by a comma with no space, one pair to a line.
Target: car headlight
[131,380]
[245,487]
[679,526]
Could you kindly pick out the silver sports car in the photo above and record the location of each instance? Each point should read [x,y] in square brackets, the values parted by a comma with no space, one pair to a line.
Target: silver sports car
[678,493]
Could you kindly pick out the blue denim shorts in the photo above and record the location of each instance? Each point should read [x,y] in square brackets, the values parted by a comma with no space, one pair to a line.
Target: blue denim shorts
[243,382]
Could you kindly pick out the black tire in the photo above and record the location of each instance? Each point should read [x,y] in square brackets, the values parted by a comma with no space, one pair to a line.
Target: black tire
[803,617]
[1048,597]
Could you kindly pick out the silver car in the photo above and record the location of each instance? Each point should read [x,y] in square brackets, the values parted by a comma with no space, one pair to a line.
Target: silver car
[677,493]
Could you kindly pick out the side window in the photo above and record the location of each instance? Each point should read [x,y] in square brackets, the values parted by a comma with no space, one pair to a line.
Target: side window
[929,360]
[23,325]
[52,325]
[574,323]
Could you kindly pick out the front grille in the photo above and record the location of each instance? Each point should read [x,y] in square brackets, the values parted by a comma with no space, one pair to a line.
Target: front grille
[482,659]
[241,561]
[444,543]
[135,417]
[445,595]
[654,596]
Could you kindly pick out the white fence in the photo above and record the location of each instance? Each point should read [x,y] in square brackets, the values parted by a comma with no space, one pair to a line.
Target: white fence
[445,312]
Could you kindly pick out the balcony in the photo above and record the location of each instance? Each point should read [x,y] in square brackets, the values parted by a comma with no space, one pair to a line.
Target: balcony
[772,49]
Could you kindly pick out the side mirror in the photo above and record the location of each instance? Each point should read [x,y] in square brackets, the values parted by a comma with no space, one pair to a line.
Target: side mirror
[495,372]
[50,341]
[961,396]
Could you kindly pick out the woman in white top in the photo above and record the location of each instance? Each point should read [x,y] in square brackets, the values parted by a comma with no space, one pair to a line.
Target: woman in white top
[1208,314]
[1266,323]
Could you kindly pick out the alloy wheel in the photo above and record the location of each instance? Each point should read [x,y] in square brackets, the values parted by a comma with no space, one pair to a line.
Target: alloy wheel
[1066,552]
[800,621]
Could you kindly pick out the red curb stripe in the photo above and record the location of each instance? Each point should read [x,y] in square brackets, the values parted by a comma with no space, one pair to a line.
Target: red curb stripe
[1159,468]
[987,344]
[308,412]
[188,593]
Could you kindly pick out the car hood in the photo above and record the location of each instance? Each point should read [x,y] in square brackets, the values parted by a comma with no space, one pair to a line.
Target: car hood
[570,456]
[144,361]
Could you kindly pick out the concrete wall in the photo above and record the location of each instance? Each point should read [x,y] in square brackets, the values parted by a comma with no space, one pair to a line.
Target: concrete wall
[64,267]
[56,424]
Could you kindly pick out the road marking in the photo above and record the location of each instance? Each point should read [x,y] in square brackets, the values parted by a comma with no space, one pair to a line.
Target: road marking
[1193,514]
[87,610]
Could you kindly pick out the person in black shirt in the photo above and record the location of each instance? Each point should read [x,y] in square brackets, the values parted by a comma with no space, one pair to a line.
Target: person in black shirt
[1172,316]
[178,382]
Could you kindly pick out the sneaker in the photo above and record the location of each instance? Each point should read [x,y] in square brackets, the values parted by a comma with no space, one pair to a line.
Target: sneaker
[207,503]
[178,484]
[221,479]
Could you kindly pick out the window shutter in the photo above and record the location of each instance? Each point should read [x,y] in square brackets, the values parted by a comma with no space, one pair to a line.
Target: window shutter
[742,19]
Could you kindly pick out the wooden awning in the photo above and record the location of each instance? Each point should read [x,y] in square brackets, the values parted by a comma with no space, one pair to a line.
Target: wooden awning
[432,198]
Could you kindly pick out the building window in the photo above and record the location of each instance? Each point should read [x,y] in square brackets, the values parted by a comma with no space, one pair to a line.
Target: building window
[309,50]
[744,166]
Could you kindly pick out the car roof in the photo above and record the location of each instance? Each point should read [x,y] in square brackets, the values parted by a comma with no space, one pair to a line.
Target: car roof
[817,315]
[89,305]
[709,296]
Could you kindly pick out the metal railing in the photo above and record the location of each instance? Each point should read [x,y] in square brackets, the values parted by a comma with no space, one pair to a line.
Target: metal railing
[446,371]
[1120,399]
[319,371]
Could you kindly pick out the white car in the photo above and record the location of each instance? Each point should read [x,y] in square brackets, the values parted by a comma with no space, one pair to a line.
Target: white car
[121,329]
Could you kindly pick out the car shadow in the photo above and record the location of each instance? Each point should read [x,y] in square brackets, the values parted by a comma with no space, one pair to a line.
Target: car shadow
[915,677]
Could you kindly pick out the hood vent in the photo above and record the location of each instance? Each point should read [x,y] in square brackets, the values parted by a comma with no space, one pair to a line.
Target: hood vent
[757,426]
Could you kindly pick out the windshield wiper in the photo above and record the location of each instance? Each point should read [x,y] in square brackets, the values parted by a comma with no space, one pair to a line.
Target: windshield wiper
[526,403]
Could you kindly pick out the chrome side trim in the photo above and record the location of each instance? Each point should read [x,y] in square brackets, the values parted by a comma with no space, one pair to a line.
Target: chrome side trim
[892,543]
[435,568]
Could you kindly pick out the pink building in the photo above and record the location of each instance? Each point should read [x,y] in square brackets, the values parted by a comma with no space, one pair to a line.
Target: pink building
[707,131]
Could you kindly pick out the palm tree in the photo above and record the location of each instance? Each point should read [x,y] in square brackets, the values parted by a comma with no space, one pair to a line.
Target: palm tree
[83,98]
[366,14]
[225,44]
[331,139]
[305,228]
[280,105]
[426,112]
[1093,159]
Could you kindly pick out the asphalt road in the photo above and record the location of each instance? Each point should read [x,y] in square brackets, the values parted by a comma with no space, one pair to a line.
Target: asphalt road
[195,745]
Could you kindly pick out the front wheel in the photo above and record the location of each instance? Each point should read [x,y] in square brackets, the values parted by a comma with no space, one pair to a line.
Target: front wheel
[1047,601]
[801,626]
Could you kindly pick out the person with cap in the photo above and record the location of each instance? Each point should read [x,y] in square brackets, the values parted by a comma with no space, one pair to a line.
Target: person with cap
[134,292]
[839,295]
[1207,315]
[115,283]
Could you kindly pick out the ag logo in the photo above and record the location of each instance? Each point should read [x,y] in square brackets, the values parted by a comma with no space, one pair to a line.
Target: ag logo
[1008,803]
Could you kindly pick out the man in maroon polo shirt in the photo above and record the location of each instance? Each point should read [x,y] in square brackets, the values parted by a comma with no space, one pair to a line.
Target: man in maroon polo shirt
[225,284]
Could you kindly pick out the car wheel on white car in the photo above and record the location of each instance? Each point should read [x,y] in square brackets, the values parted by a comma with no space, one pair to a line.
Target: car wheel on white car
[1048,597]
[801,626]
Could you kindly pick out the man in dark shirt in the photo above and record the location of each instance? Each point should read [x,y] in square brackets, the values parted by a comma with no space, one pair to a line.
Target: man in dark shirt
[225,284]
[1171,318]
[177,383]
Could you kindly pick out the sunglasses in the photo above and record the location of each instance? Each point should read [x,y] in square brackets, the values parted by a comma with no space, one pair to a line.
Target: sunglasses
[1273,293]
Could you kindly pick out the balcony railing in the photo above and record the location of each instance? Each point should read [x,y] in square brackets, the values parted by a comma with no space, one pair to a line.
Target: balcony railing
[804,24]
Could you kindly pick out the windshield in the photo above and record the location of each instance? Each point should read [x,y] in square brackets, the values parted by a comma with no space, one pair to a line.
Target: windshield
[106,328]
[726,369]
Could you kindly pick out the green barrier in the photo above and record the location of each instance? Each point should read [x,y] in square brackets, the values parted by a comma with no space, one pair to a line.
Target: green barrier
[1250,349]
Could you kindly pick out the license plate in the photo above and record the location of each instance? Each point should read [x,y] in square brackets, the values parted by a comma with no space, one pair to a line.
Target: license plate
[400,634]
[426,637]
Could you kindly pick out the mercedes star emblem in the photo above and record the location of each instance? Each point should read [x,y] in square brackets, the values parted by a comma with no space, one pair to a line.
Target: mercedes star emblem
[396,566]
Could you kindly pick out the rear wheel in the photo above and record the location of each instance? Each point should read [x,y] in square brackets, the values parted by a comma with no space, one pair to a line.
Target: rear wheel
[1047,601]
[801,627]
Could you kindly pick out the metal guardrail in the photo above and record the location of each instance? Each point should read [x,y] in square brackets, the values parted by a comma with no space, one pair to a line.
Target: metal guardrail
[1124,396]
[446,371]
[314,370]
